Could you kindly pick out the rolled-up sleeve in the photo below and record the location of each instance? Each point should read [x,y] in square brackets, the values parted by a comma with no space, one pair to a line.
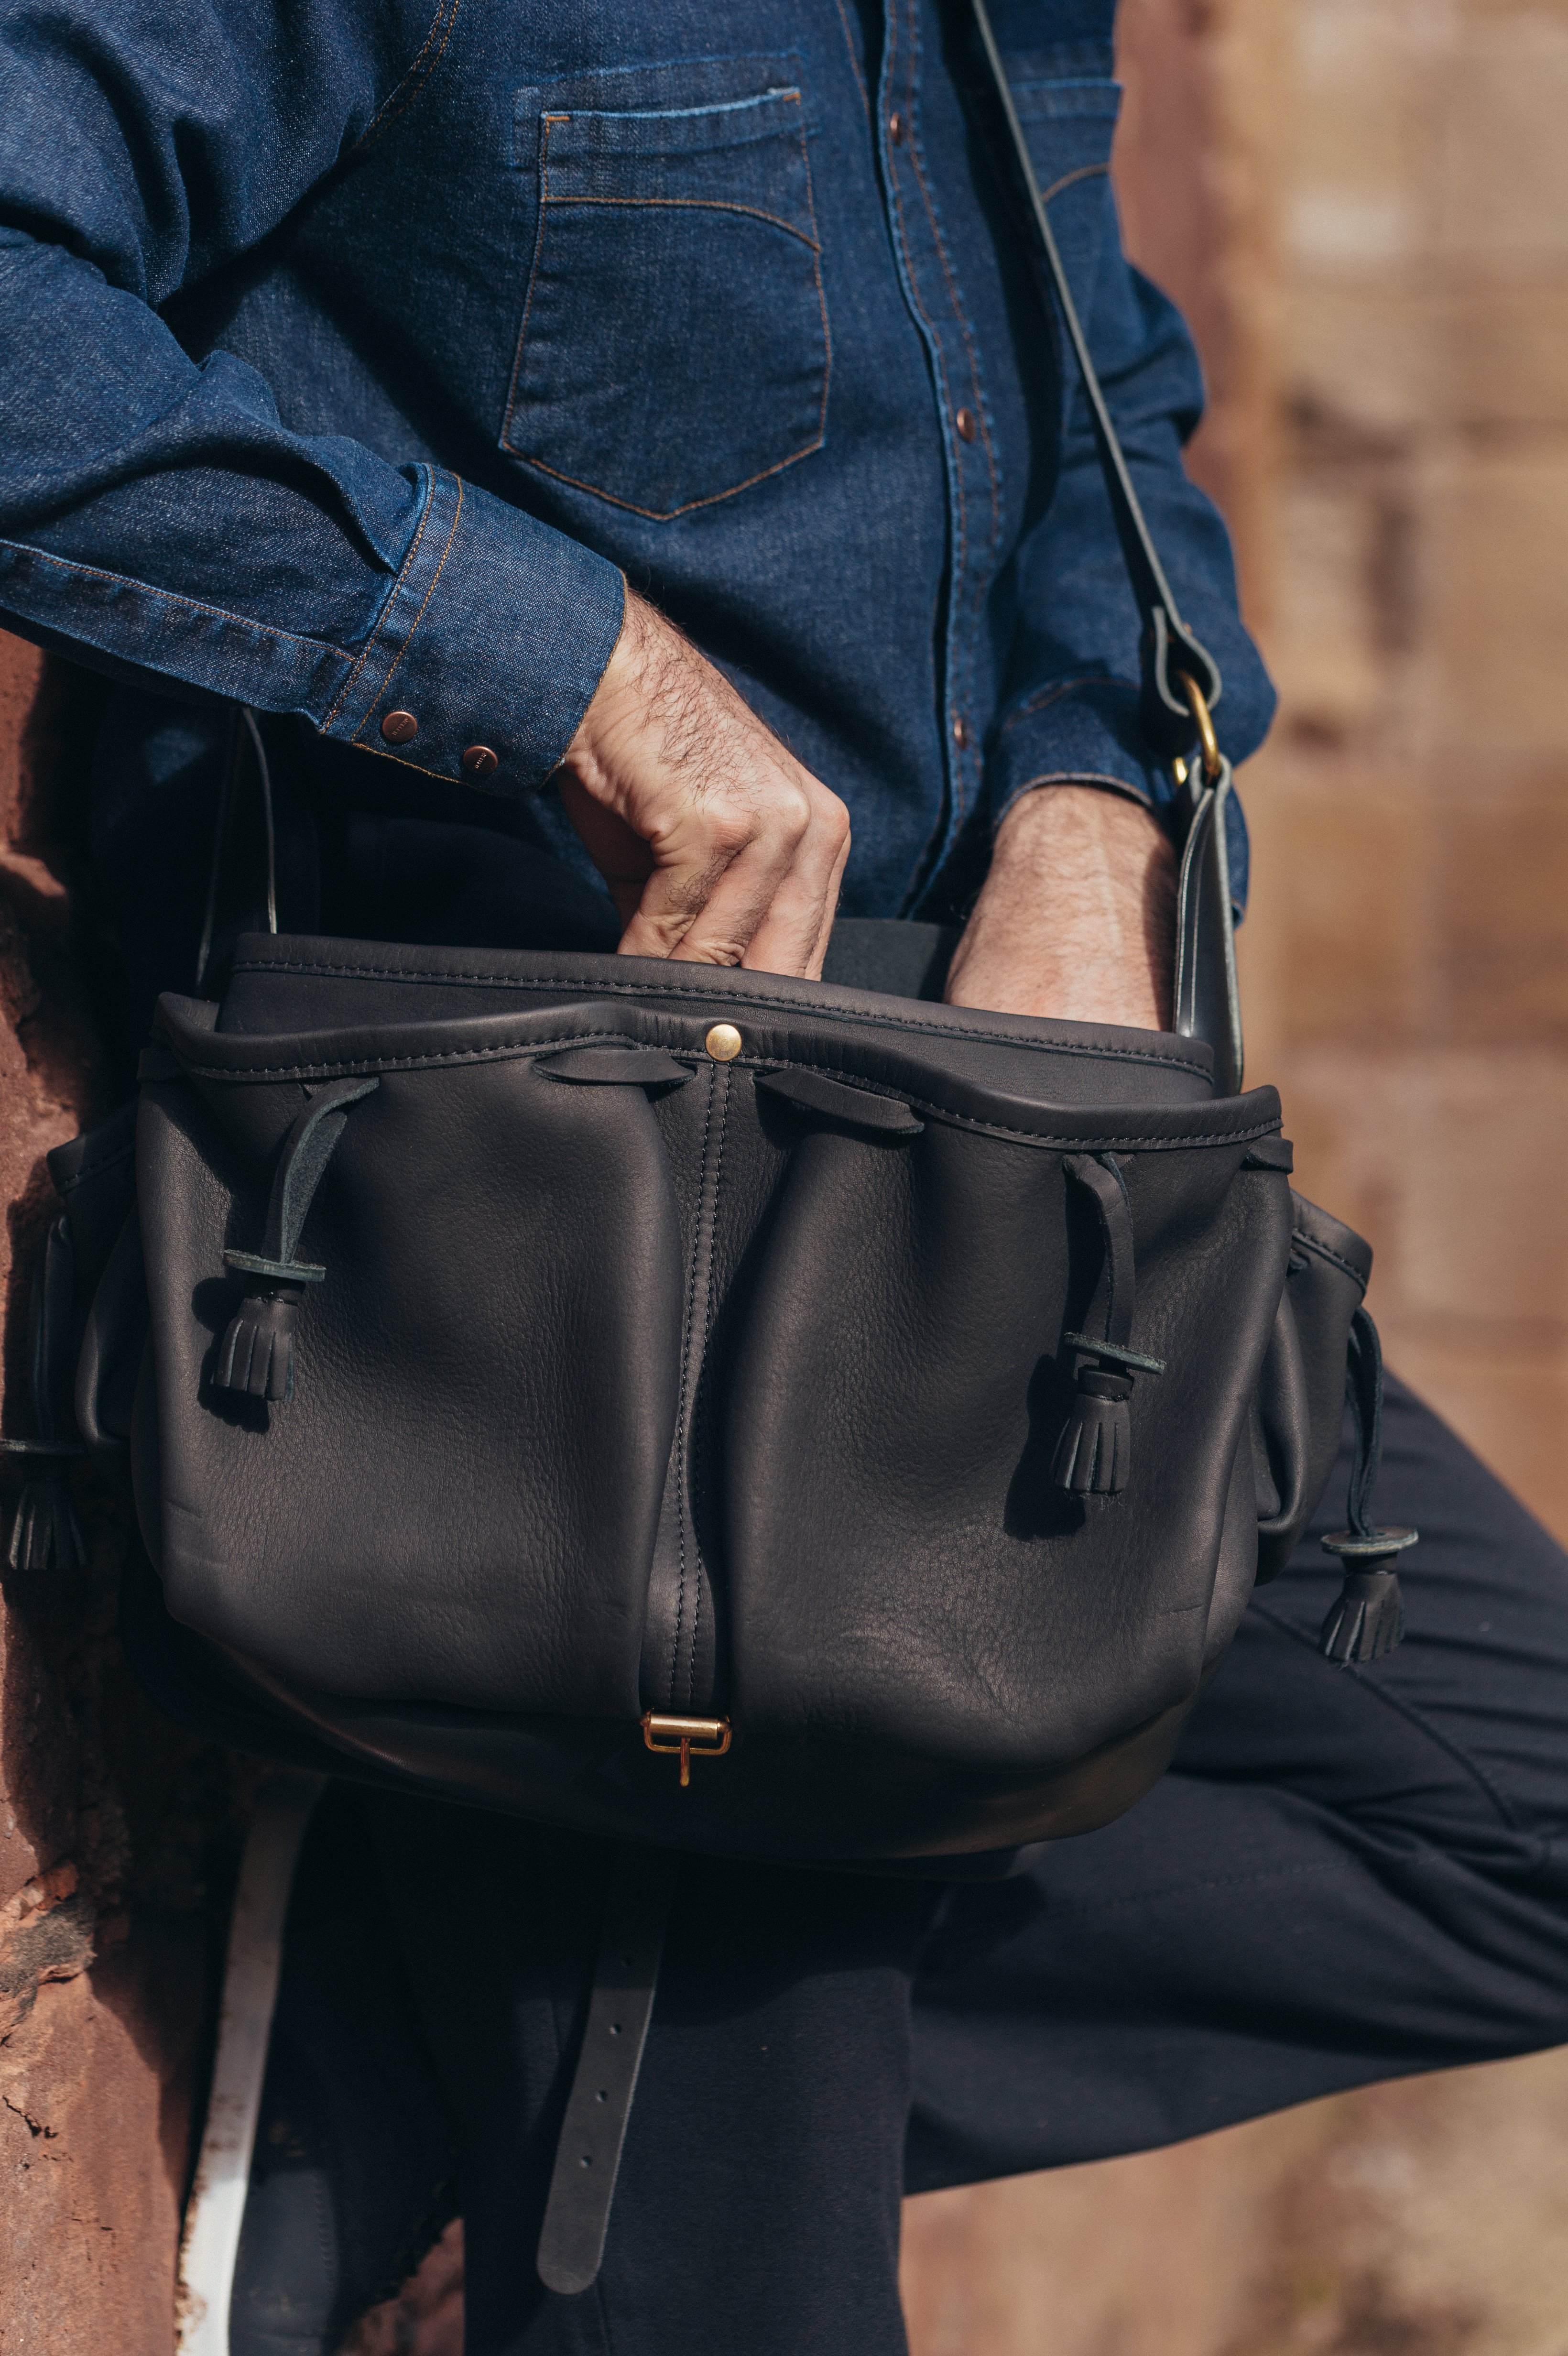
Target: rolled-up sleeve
[157,517]
[1070,707]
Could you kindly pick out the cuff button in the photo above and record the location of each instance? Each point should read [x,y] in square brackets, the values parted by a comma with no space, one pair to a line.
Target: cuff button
[399,727]
[480,762]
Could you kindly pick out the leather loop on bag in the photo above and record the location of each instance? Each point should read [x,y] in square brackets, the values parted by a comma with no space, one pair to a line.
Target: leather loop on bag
[836,1100]
[1206,998]
[641,1067]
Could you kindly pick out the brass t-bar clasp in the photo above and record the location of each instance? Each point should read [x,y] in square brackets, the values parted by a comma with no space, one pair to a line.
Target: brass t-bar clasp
[708,1738]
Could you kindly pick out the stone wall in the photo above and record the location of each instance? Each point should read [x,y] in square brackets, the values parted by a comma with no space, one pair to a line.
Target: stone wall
[117,1837]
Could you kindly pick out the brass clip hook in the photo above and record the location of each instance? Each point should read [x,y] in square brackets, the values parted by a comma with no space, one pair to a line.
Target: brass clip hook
[1199,707]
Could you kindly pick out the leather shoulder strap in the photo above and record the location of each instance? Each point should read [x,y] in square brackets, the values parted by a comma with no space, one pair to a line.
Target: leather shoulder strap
[1169,647]
[1207,1005]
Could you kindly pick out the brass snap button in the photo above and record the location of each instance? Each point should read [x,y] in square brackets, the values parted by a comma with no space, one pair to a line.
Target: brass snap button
[961,734]
[480,761]
[399,727]
[964,422]
[724,1043]
[896,129]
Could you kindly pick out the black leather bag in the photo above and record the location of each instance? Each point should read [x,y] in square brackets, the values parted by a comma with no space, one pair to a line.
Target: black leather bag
[775,1418]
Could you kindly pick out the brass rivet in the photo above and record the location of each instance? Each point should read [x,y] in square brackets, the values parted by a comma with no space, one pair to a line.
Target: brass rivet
[724,1043]
[964,422]
[480,761]
[399,727]
[896,129]
[961,734]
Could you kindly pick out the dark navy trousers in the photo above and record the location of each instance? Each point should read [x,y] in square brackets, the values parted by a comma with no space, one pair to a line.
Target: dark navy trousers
[1347,1875]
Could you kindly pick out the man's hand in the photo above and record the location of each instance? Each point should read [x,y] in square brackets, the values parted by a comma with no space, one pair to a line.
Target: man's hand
[1078,914]
[716,844]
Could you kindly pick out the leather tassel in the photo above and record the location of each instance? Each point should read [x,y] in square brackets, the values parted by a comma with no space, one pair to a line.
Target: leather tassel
[256,1356]
[1366,1620]
[1093,1455]
[46,1529]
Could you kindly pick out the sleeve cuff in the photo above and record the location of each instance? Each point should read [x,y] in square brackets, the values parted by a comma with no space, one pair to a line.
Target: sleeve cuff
[1079,731]
[1084,732]
[487,651]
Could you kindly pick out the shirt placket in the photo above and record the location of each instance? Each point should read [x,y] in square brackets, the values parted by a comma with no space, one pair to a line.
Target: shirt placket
[933,292]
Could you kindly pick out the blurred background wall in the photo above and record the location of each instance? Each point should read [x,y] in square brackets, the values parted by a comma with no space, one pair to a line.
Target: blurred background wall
[1362,205]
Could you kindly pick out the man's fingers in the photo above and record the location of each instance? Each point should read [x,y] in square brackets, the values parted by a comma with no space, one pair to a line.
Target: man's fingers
[738,851]
[622,857]
[771,909]
[793,936]
[830,909]
[714,885]
[710,915]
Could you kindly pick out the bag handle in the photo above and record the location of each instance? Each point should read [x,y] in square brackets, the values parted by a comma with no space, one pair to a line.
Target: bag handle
[1179,679]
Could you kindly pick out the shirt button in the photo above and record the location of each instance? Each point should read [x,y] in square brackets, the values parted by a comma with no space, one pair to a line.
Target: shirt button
[480,762]
[961,734]
[399,727]
[964,422]
[896,129]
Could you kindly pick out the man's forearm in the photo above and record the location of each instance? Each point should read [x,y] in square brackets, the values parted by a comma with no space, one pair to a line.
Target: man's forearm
[1077,917]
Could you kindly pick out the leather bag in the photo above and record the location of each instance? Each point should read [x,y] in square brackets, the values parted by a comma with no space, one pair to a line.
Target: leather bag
[778,1418]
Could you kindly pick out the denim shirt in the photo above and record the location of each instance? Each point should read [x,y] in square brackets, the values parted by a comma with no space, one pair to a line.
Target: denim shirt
[353,353]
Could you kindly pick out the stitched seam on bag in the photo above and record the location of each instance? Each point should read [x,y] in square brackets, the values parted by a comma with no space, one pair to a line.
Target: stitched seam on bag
[1310,1242]
[436,1058]
[702,1399]
[683,1425]
[356,1065]
[91,1169]
[1422,1725]
[688,990]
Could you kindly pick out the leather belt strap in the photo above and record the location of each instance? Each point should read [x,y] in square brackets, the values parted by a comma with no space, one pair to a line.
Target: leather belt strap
[588,2157]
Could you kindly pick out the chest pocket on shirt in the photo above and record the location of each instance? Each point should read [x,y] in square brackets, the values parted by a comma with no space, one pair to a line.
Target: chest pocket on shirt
[674,346]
